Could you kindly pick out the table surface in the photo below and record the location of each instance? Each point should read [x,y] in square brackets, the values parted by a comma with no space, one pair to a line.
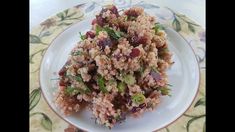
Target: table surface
[42,9]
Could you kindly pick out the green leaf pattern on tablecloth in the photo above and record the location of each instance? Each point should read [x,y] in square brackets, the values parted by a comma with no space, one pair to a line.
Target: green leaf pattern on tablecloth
[43,35]
[34,98]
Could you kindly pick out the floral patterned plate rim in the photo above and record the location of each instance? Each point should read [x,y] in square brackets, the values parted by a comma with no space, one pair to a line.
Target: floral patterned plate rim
[52,27]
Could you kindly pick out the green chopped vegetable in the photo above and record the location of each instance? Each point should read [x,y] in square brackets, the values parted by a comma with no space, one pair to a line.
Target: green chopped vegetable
[155,69]
[165,91]
[118,117]
[141,69]
[100,82]
[98,29]
[129,79]
[83,37]
[158,27]
[126,18]
[131,18]
[71,91]
[121,87]
[79,78]
[165,50]
[138,98]
[76,53]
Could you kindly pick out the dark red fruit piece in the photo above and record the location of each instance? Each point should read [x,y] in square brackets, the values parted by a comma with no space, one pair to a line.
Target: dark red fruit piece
[142,40]
[90,34]
[61,83]
[135,52]
[135,40]
[100,21]
[62,71]
[114,10]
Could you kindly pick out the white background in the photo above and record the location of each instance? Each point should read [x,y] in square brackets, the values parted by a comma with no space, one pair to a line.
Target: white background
[42,9]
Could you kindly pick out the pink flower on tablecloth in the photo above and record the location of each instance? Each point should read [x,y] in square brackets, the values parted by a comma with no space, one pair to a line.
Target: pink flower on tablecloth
[48,23]
[202,36]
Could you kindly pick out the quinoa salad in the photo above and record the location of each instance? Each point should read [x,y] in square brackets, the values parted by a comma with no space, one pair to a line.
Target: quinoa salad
[118,69]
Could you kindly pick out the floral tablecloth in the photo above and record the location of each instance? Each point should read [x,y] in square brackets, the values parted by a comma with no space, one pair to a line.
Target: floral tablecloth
[42,118]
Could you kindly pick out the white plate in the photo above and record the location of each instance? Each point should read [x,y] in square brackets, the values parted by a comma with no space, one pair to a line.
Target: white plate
[183,75]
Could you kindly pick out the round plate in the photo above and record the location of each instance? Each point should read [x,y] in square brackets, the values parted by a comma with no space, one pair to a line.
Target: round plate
[58,35]
[183,75]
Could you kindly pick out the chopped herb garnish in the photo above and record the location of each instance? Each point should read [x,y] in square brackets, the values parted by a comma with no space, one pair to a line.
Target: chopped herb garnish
[142,68]
[55,79]
[112,33]
[71,91]
[155,69]
[98,29]
[79,78]
[100,82]
[129,79]
[76,53]
[87,90]
[121,87]
[165,50]
[83,37]
[158,27]
[138,98]
[169,85]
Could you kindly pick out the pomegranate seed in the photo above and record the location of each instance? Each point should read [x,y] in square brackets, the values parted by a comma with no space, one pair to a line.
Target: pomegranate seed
[135,52]
[114,10]
[90,34]
[100,21]
[135,40]
[62,71]
[61,83]
[142,40]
